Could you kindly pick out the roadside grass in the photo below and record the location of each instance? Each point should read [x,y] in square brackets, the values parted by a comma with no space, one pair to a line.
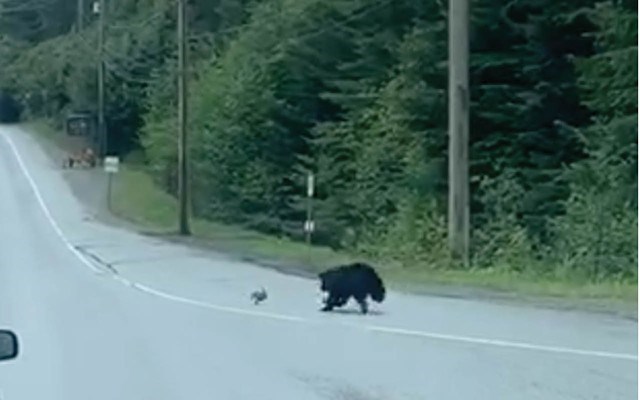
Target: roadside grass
[137,199]
[44,129]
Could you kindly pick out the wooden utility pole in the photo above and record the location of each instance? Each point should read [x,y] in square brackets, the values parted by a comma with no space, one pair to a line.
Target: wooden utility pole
[80,16]
[459,129]
[102,130]
[183,184]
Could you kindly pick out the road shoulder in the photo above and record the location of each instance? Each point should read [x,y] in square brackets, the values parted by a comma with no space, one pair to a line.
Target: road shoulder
[87,186]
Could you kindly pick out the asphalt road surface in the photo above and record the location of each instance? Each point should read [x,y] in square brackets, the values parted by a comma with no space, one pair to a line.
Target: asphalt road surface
[103,313]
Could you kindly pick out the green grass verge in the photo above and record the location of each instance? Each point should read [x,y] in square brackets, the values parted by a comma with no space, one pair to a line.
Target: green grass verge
[138,199]
[44,129]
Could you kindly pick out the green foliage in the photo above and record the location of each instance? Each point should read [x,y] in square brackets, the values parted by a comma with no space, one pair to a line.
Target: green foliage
[523,82]
[609,78]
[416,237]
[395,143]
[598,234]
[35,21]
[500,239]
[356,92]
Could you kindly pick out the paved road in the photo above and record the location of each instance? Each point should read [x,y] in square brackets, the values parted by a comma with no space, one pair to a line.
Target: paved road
[107,314]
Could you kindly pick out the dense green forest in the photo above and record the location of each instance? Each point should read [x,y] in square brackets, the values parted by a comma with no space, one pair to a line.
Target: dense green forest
[355,91]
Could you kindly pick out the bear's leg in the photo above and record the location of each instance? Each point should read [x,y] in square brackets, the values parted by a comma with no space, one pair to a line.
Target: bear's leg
[329,303]
[327,307]
[364,307]
[335,300]
[341,301]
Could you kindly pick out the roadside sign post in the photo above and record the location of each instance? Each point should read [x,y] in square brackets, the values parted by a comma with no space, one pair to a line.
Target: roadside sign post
[309,224]
[111,167]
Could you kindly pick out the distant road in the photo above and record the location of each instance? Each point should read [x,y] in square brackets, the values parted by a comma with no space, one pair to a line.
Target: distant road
[176,323]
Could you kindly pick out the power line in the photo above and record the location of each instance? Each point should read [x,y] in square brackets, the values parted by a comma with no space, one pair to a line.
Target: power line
[118,70]
[361,12]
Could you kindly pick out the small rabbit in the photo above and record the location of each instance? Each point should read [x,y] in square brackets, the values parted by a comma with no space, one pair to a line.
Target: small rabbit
[259,296]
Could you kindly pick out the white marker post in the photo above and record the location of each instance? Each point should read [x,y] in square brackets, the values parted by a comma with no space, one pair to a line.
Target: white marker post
[309,225]
[111,167]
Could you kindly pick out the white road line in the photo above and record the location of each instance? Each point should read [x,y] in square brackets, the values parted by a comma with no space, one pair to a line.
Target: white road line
[203,304]
[503,343]
[45,209]
[372,328]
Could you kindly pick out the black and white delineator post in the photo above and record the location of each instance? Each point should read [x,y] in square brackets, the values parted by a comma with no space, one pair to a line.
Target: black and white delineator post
[309,225]
[111,167]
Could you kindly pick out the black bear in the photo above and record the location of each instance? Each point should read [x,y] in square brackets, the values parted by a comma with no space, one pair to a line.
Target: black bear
[357,280]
